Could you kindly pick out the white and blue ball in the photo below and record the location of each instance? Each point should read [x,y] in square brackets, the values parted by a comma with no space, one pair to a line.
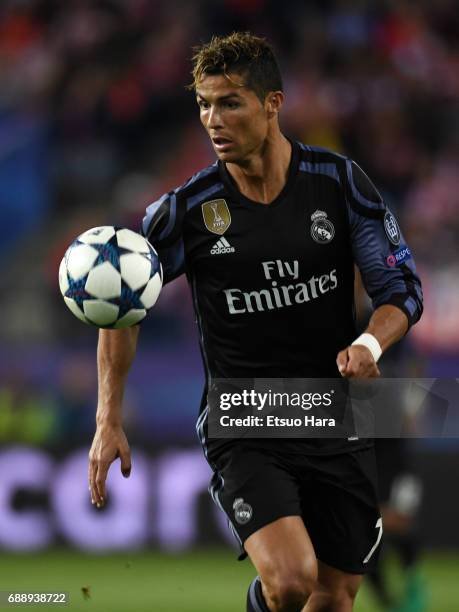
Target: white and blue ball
[110,277]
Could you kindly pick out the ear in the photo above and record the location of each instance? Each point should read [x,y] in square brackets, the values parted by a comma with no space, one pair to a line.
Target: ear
[273,103]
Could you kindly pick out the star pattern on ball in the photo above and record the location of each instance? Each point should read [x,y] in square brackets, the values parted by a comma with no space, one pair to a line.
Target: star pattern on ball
[112,282]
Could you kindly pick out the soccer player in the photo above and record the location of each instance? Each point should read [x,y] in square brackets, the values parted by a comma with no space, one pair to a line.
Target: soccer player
[268,237]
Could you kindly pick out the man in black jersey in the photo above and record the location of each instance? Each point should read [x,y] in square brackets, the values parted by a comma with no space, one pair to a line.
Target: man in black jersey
[268,237]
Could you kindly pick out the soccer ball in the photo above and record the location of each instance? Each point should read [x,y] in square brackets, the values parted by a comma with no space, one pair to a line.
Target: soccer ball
[110,277]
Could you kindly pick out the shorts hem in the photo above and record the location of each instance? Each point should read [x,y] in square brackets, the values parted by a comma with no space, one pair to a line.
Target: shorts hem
[342,567]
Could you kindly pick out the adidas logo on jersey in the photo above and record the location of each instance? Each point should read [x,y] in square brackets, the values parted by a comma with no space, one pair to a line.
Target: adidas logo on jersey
[222,246]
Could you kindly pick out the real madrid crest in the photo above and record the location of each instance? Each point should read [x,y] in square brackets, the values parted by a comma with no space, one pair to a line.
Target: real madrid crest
[322,229]
[242,511]
[217,217]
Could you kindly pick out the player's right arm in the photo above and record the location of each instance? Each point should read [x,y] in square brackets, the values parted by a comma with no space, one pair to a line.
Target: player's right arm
[162,226]
[115,353]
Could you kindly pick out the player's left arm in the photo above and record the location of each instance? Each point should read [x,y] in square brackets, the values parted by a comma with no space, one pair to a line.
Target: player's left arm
[388,273]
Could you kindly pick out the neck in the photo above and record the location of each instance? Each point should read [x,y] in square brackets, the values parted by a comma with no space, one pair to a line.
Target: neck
[263,174]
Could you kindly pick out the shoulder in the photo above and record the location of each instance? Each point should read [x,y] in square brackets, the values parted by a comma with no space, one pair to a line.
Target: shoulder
[360,192]
[170,208]
[311,153]
[202,181]
[207,179]
[317,160]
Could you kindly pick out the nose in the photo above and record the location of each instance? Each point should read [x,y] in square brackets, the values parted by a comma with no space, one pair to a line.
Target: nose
[214,120]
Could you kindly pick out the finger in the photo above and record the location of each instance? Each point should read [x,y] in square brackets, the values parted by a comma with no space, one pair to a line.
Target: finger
[95,491]
[353,365]
[351,371]
[342,361]
[356,367]
[89,474]
[92,478]
[125,457]
[102,471]
[359,368]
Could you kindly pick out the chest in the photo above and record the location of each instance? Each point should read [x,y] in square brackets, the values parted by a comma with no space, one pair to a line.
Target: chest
[304,234]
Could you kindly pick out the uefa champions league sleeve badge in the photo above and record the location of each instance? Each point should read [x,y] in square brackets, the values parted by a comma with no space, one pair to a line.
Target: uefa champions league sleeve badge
[322,229]
[391,228]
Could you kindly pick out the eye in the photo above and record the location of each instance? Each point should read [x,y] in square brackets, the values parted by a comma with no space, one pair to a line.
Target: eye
[203,104]
[231,104]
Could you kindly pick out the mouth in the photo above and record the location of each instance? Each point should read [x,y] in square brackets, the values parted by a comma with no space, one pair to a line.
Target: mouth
[221,144]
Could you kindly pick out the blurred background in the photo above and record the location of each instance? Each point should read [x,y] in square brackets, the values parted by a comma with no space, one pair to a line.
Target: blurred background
[95,123]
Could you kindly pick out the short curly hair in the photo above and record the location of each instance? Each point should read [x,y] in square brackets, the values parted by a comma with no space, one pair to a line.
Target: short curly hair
[243,53]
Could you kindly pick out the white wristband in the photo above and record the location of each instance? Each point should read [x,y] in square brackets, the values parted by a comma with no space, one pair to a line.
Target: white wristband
[371,343]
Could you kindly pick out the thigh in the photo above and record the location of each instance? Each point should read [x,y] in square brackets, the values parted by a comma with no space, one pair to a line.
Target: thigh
[284,558]
[340,510]
[254,488]
[282,547]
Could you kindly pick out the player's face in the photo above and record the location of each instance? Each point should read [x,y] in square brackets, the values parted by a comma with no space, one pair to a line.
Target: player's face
[234,117]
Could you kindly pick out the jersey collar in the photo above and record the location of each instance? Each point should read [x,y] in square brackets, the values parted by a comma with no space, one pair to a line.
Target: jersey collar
[231,186]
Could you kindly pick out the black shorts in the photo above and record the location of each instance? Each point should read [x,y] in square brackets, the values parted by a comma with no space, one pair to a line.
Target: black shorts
[336,496]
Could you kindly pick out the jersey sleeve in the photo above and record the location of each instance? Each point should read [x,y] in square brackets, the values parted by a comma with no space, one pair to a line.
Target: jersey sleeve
[379,248]
[162,226]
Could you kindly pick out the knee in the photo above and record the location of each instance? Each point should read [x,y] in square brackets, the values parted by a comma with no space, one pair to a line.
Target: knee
[289,593]
[327,600]
[343,598]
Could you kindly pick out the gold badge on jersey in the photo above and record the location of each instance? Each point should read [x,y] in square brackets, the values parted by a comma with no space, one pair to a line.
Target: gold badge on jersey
[216,216]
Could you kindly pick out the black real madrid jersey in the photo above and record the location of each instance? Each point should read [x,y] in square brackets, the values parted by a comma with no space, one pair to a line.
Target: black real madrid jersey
[273,285]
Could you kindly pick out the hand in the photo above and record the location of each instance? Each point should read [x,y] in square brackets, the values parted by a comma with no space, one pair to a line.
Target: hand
[356,361]
[109,443]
